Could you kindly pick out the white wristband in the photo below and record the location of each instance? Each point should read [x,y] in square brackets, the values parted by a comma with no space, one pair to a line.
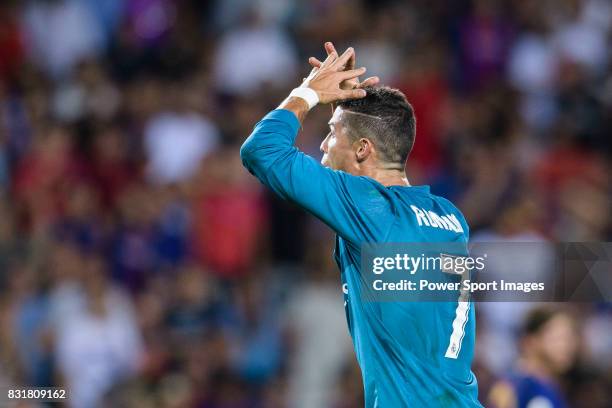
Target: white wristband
[307,94]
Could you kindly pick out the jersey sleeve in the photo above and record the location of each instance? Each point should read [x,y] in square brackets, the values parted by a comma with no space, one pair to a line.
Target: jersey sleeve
[346,203]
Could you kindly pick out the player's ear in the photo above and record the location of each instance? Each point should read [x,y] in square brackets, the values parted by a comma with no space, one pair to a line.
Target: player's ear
[363,149]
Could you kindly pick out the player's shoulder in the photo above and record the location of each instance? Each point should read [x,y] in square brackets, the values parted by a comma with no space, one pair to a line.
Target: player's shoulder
[450,210]
[450,207]
[447,204]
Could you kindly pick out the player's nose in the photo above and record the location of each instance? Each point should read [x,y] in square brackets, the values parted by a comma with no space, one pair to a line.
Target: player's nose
[323,146]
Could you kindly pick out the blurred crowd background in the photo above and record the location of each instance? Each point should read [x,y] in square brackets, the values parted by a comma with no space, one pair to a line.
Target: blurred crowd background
[142,266]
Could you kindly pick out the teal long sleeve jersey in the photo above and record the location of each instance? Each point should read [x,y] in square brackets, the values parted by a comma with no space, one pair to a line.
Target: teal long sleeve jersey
[411,354]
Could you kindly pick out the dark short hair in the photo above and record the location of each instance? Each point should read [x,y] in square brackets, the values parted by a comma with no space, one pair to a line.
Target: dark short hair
[388,121]
[537,318]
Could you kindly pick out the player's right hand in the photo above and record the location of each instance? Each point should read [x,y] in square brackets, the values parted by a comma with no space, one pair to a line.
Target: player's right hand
[348,83]
[325,80]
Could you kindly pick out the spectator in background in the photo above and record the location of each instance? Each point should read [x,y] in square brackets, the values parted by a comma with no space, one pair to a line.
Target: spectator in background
[89,94]
[422,81]
[253,333]
[66,268]
[548,349]
[484,39]
[514,235]
[80,221]
[575,184]
[230,13]
[178,138]
[44,174]
[376,49]
[254,55]
[9,246]
[149,21]
[229,217]
[109,15]
[29,330]
[132,243]
[11,42]
[316,324]
[532,67]
[60,33]
[581,34]
[195,307]
[4,164]
[112,168]
[99,343]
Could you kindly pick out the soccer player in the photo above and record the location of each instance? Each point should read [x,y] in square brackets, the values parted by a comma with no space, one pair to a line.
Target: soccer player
[412,354]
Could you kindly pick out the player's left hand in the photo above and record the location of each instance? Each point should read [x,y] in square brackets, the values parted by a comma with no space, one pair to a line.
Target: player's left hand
[352,83]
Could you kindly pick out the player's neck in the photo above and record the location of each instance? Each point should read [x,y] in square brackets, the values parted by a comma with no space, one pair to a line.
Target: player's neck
[387,177]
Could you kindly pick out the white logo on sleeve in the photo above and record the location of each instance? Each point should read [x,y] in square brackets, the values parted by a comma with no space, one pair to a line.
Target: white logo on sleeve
[429,218]
[345,291]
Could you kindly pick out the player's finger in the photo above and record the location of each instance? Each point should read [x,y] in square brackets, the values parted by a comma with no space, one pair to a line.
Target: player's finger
[314,62]
[353,94]
[340,63]
[351,62]
[330,59]
[329,47]
[352,73]
[369,82]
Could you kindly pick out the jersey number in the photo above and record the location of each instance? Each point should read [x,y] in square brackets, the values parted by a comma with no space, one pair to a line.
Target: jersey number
[461,318]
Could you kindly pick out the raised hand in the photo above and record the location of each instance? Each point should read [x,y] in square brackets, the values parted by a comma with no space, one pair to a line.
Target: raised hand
[326,79]
[351,83]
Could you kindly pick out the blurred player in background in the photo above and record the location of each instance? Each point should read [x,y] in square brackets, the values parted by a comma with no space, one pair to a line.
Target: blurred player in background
[548,348]
[411,354]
